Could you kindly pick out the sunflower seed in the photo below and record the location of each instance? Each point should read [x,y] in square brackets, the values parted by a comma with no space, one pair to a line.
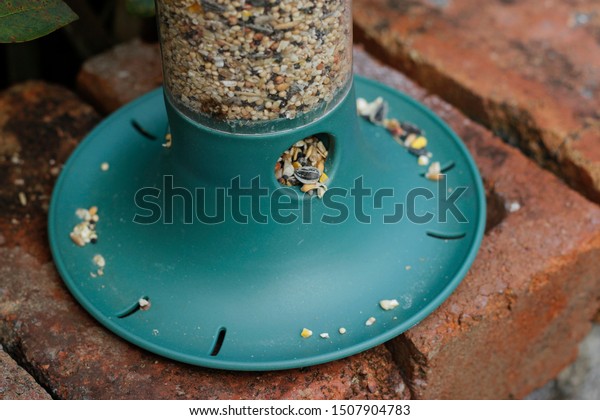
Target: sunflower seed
[307,175]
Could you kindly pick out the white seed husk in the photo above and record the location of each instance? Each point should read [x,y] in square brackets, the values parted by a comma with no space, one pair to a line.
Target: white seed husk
[99,260]
[388,304]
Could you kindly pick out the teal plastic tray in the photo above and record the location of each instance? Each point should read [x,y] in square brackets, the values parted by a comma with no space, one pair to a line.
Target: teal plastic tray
[235,295]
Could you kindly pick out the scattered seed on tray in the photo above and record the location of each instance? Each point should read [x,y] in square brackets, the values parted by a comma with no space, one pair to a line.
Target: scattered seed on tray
[168,141]
[144,304]
[324,335]
[306,333]
[423,160]
[85,232]
[388,304]
[342,330]
[303,164]
[255,60]
[375,111]
[370,321]
[100,263]
[406,134]
[434,172]
[104,166]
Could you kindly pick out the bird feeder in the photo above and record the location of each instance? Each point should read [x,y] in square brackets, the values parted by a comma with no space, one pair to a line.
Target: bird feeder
[174,224]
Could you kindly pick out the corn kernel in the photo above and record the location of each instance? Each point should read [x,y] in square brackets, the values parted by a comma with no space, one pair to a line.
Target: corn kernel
[419,143]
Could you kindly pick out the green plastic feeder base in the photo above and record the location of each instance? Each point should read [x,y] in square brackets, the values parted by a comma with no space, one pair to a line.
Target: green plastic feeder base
[236,295]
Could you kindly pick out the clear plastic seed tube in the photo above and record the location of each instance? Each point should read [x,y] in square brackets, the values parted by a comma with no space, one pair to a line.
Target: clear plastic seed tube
[251,61]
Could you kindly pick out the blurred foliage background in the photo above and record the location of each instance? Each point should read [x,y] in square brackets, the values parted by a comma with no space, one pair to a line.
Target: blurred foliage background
[58,56]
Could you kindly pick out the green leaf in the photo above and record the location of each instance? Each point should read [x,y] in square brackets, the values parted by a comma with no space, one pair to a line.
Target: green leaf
[24,20]
[141,8]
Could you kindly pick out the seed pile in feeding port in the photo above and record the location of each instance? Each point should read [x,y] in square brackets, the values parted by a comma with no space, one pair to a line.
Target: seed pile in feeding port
[303,165]
[406,134]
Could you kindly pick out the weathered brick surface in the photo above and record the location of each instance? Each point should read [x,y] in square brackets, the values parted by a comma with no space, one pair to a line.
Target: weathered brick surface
[16,383]
[120,75]
[526,69]
[66,350]
[40,125]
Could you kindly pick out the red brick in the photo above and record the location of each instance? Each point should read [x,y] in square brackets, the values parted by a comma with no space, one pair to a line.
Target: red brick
[16,383]
[515,321]
[527,70]
[120,75]
[71,354]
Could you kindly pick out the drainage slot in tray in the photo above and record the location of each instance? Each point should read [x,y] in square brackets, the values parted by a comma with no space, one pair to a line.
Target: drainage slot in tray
[142,304]
[446,235]
[219,341]
[141,130]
